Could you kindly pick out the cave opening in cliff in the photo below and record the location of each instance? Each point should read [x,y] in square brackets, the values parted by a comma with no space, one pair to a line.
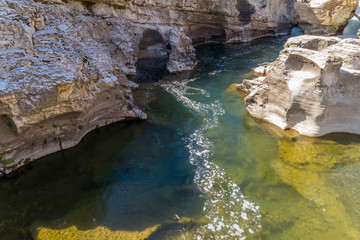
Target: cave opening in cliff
[246,10]
[153,57]
[206,33]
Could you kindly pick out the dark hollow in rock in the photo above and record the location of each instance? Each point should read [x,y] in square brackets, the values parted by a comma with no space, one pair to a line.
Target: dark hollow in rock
[206,33]
[152,45]
[151,69]
[246,10]
[153,57]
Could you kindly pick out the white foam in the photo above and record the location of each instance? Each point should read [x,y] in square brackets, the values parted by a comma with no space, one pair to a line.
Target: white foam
[228,213]
[215,72]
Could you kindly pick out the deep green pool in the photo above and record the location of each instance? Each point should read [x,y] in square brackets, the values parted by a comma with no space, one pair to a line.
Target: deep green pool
[199,158]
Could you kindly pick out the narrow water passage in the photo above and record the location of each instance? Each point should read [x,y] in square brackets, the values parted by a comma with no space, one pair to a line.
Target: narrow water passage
[224,200]
[353,27]
[199,168]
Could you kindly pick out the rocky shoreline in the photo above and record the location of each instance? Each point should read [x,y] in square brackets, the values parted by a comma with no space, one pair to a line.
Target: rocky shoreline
[312,87]
[64,65]
[329,17]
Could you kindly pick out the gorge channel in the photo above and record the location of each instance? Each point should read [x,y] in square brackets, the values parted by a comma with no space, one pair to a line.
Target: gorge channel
[199,158]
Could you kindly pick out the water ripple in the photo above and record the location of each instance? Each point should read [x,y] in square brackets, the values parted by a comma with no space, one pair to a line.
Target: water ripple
[227,212]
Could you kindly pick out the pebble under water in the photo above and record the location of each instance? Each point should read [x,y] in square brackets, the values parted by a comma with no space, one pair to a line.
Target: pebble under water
[199,168]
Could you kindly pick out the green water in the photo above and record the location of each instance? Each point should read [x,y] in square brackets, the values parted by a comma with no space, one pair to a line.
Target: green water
[199,158]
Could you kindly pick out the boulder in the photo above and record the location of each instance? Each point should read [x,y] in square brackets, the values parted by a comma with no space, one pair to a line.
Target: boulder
[312,87]
[261,70]
[324,17]
[249,85]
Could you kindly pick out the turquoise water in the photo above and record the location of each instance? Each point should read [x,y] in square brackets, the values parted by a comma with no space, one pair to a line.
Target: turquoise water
[353,27]
[199,168]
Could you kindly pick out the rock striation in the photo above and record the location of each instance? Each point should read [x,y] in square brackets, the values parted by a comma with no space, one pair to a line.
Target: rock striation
[207,20]
[64,64]
[59,79]
[312,87]
[324,17]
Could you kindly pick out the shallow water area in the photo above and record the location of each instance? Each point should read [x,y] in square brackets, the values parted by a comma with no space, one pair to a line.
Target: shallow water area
[199,168]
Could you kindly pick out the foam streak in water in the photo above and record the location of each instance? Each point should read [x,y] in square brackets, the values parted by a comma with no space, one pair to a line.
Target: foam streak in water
[227,213]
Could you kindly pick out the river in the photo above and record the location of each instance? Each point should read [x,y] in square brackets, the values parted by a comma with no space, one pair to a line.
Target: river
[199,168]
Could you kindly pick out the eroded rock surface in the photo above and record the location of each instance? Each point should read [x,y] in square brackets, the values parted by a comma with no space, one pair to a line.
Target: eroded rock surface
[324,17]
[312,87]
[249,85]
[205,20]
[63,63]
[59,79]
[210,20]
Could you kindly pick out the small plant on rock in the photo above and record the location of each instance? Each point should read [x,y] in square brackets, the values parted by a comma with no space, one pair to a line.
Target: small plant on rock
[10,5]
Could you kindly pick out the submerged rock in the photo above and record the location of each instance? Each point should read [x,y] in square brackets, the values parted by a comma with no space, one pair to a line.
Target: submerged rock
[324,17]
[312,87]
[100,232]
[358,33]
[323,171]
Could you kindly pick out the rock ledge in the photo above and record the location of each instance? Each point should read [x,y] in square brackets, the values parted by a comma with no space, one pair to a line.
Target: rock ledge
[312,87]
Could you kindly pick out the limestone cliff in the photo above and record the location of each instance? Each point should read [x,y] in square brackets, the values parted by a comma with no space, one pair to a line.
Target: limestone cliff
[312,87]
[324,17]
[59,79]
[64,64]
[206,20]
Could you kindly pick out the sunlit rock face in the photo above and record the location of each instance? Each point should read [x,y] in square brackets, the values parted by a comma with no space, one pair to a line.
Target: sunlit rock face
[59,79]
[64,64]
[312,87]
[324,17]
[208,20]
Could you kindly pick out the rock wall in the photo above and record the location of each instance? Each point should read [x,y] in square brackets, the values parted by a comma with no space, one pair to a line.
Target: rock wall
[324,17]
[59,79]
[312,87]
[64,64]
[209,20]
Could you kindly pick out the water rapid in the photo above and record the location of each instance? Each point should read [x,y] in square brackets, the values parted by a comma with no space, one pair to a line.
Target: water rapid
[224,199]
